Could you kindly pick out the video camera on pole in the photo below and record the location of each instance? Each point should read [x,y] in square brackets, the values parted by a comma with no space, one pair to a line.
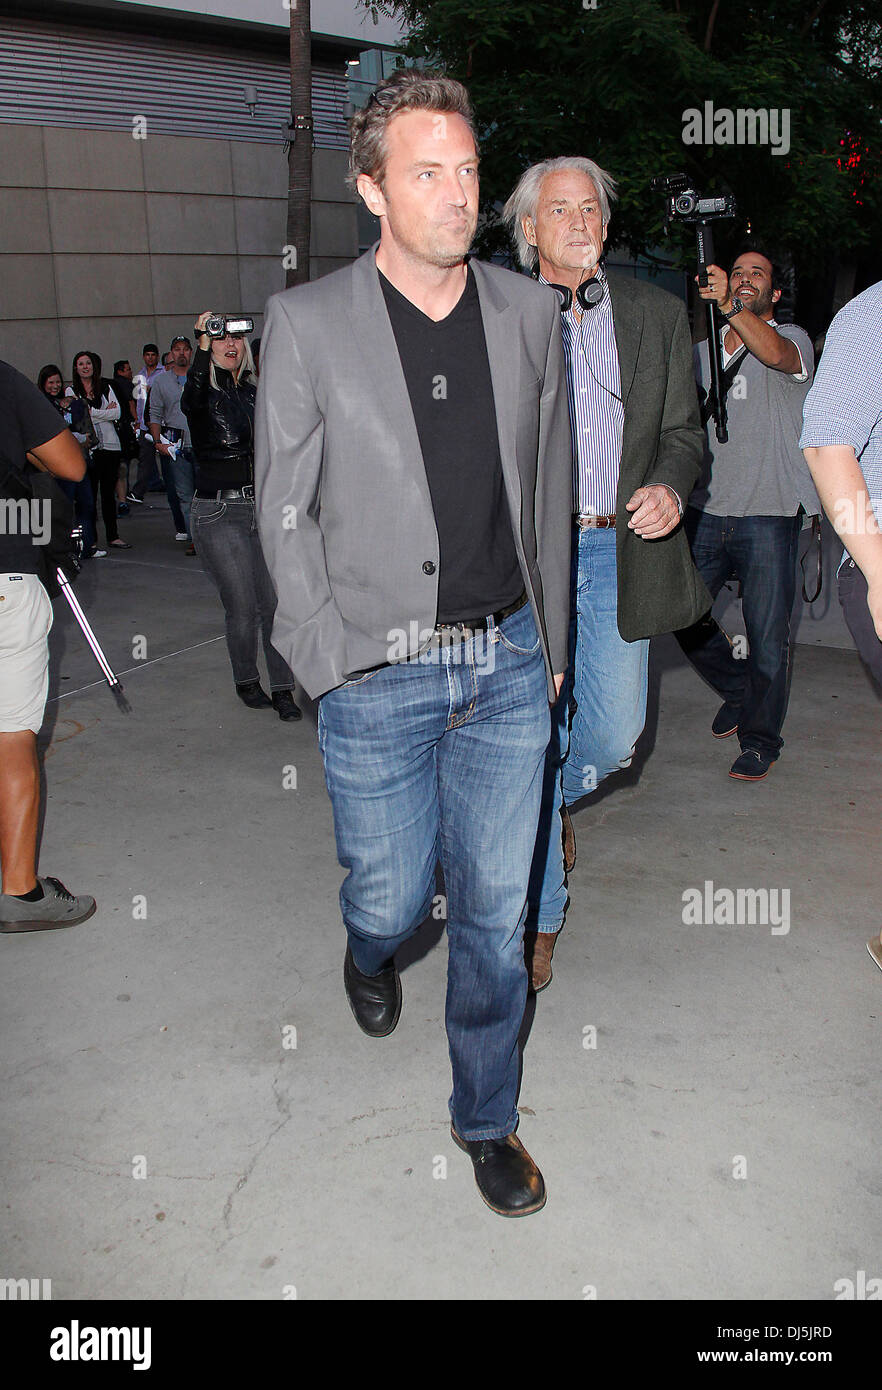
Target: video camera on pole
[685,204]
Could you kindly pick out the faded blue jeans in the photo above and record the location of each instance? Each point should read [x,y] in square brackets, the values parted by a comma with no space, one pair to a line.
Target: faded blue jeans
[607,683]
[178,474]
[441,757]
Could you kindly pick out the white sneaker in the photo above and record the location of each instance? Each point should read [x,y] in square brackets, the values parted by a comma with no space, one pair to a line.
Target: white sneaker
[181,536]
[875,949]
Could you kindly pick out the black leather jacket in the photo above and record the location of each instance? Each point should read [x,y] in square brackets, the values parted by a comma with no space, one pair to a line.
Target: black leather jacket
[221,424]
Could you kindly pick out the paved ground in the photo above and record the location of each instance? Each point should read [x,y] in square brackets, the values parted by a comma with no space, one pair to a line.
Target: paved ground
[703,1098]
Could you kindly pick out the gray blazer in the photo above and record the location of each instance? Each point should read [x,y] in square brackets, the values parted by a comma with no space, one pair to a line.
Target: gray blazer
[344,510]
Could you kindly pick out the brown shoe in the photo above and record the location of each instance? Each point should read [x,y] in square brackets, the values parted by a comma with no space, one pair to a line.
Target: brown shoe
[875,949]
[569,841]
[539,948]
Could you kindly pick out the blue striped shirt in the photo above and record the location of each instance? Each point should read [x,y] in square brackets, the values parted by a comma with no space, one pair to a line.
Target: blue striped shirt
[594,388]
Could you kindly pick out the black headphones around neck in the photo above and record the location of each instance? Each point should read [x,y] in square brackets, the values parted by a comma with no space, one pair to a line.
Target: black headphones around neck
[589,294]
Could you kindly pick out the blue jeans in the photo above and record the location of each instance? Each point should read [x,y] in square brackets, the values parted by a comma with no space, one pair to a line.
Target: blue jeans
[229,547]
[80,493]
[607,683]
[441,757]
[179,485]
[761,552]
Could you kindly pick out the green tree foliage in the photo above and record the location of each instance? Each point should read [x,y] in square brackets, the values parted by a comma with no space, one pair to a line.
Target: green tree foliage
[614,82]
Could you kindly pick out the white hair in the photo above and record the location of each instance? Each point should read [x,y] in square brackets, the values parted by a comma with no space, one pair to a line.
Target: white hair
[525,199]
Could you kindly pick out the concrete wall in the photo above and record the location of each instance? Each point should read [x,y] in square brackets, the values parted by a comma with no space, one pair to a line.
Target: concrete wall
[108,242]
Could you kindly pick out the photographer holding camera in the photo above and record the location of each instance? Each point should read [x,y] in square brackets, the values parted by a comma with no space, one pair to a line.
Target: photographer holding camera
[745,516]
[218,401]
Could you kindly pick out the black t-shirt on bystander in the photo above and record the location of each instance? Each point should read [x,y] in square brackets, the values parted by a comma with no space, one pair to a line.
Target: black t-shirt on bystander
[451,393]
[125,392]
[27,420]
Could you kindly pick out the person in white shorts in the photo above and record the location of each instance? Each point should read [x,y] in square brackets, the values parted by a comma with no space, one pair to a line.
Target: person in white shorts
[28,432]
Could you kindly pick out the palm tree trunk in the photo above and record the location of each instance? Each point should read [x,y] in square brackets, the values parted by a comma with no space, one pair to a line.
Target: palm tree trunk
[300,149]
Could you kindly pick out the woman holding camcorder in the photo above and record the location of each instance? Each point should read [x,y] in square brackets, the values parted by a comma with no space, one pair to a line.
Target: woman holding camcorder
[218,401]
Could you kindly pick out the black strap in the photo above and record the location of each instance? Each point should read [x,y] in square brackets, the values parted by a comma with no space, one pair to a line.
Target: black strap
[726,380]
[814,544]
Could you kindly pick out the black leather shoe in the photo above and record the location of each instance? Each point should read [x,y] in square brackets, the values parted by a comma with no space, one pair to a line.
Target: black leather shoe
[375,1000]
[283,703]
[251,694]
[507,1177]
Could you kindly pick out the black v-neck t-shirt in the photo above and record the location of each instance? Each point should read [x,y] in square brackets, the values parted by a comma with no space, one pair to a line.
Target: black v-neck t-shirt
[451,393]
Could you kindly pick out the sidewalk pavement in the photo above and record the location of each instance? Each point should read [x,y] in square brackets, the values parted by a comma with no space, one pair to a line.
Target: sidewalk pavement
[190,1111]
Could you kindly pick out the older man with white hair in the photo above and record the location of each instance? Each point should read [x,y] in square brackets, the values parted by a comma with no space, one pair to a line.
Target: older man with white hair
[637,447]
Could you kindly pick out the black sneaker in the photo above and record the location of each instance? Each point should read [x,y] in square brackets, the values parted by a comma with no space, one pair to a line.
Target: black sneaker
[132,497]
[252,694]
[751,766]
[283,704]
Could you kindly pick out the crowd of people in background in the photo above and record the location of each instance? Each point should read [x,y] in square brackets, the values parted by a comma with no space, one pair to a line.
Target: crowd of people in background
[110,418]
[135,434]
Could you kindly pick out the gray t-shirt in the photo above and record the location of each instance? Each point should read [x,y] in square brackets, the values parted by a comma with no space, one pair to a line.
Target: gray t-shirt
[165,403]
[760,471]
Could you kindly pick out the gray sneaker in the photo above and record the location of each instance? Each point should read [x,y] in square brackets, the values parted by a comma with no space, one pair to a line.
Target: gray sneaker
[57,908]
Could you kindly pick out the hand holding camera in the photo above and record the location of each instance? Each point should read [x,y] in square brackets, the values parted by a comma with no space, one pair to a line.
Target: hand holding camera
[211,325]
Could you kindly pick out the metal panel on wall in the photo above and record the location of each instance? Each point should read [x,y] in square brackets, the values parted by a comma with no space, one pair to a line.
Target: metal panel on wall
[101,78]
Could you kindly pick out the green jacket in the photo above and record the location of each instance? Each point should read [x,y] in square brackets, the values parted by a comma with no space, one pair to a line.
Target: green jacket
[659,588]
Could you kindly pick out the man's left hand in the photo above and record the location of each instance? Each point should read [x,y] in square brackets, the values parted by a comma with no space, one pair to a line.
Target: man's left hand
[655,512]
[717,288]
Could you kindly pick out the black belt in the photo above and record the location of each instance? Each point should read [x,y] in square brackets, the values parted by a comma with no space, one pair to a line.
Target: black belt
[469,625]
[444,634]
[226,494]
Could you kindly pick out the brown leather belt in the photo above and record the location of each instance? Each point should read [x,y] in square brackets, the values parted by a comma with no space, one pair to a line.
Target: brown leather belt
[589,523]
[468,626]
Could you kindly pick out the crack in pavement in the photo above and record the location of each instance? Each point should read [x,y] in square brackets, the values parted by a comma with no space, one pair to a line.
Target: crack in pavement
[284,1108]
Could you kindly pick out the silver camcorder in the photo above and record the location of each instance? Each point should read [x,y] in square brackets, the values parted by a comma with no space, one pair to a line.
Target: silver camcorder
[219,325]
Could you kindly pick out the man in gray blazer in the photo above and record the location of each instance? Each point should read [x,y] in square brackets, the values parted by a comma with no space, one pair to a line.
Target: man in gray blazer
[414,485]
[637,443]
